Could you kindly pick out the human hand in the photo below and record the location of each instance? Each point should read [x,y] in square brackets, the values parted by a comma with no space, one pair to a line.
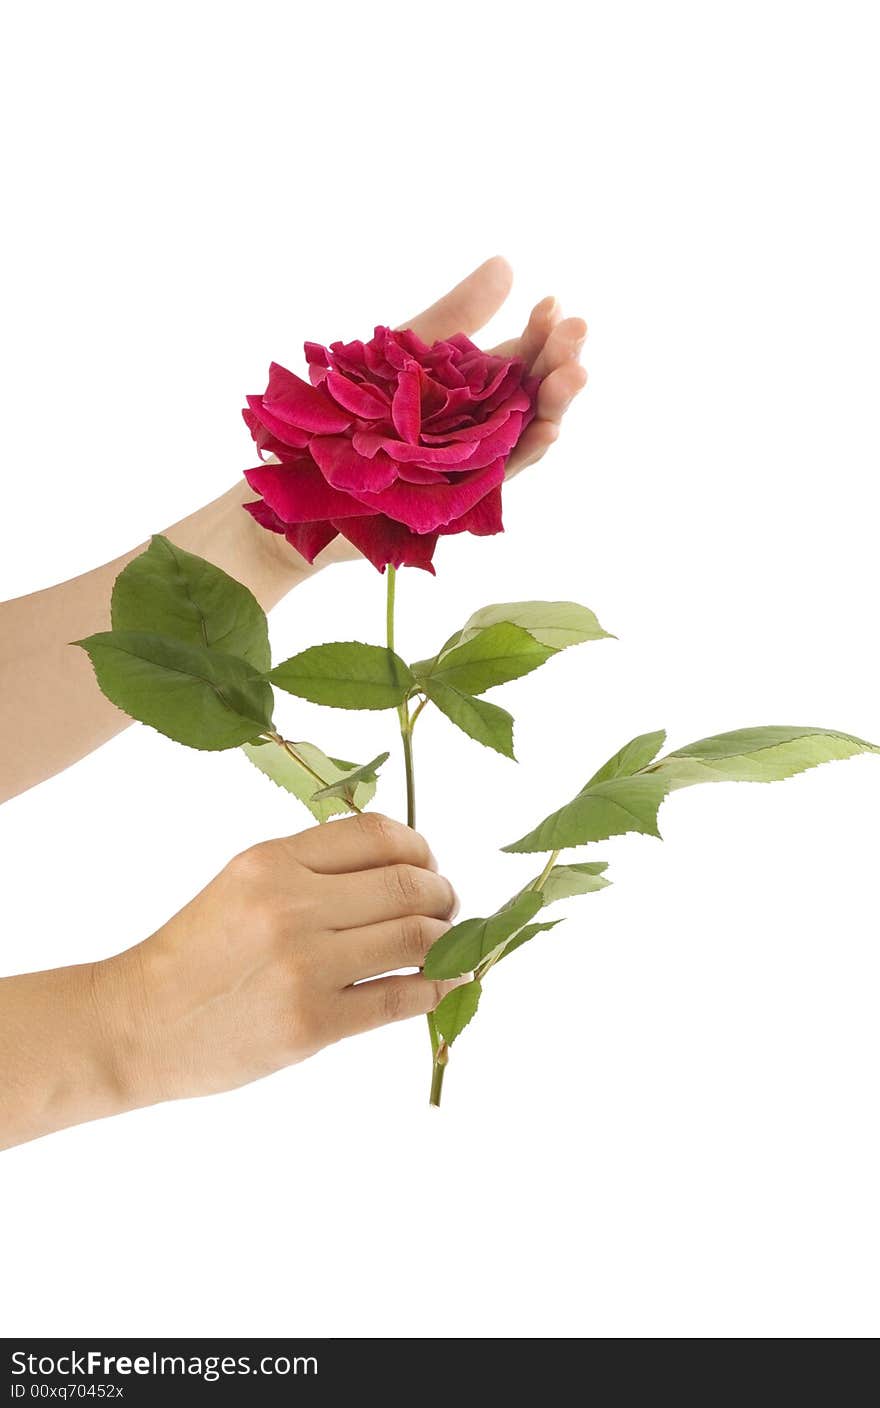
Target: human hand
[265,966]
[550,345]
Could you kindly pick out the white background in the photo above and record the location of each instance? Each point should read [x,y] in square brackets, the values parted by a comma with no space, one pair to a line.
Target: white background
[663,1122]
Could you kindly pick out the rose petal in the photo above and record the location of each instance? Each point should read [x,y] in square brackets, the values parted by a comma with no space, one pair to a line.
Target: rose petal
[310,538]
[293,400]
[513,385]
[482,520]
[462,343]
[344,468]
[265,516]
[349,357]
[286,434]
[369,442]
[497,443]
[481,429]
[375,359]
[423,509]
[364,401]
[442,365]
[266,443]
[410,342]
[299,493]
[318,359]
[406,408]
[382,542]
[421,473]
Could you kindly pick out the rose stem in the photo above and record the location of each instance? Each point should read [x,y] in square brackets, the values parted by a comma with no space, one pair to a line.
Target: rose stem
[406,722]
[441,1050]
[406,727]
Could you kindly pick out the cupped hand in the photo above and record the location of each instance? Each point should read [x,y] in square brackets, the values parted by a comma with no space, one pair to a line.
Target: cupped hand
[296,944]
[549,344]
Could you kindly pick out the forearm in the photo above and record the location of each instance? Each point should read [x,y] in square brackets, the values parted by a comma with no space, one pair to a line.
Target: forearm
[51,710]
[66,1051]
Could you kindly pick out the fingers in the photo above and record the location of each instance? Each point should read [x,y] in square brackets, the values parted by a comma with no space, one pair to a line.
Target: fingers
[542,320]
[564,342]
[375,896]
[558,390]
[469,305]
[563,377]
[360,843]
[534,443]
[380,948]
[386,1000]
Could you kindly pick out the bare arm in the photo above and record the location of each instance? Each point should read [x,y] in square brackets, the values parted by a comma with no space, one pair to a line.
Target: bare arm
[51,711]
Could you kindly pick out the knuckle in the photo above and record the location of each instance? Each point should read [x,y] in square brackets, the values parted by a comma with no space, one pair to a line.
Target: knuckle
[250,866]
[405,884]
[420,850]
[451,902]
[414,939]
[380,830]
[392,1002]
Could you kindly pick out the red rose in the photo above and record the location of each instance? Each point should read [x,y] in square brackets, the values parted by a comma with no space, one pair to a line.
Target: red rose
[392,445]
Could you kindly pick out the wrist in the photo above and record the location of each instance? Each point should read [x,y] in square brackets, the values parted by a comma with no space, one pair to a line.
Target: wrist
[227,536]
[68,1049]
[124,1042]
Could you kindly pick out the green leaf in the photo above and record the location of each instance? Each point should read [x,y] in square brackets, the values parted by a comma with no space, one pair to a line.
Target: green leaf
[345,787]
[620,803]
[476,717]
[300,780]
[556,624]
[527,933]
[567,880]
[465,946]
[767,754]
[490,649]
[171,592]
[634,756]
[452,1015]
[601,810]
[196,696]
[346,675]
[500,653]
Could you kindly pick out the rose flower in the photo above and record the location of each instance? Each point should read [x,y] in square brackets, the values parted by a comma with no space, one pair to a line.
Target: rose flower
[393,444]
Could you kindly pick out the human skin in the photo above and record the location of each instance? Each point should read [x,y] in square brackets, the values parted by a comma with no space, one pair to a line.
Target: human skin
[268,964]
[288,950]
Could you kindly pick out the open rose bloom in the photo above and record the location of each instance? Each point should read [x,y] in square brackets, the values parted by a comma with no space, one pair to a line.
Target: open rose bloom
[393,445]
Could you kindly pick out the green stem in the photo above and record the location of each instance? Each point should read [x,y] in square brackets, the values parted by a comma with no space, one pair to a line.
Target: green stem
[406,736]
[538,882]
[403,715]
[439,1049]
[439,1070]
[391,578]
